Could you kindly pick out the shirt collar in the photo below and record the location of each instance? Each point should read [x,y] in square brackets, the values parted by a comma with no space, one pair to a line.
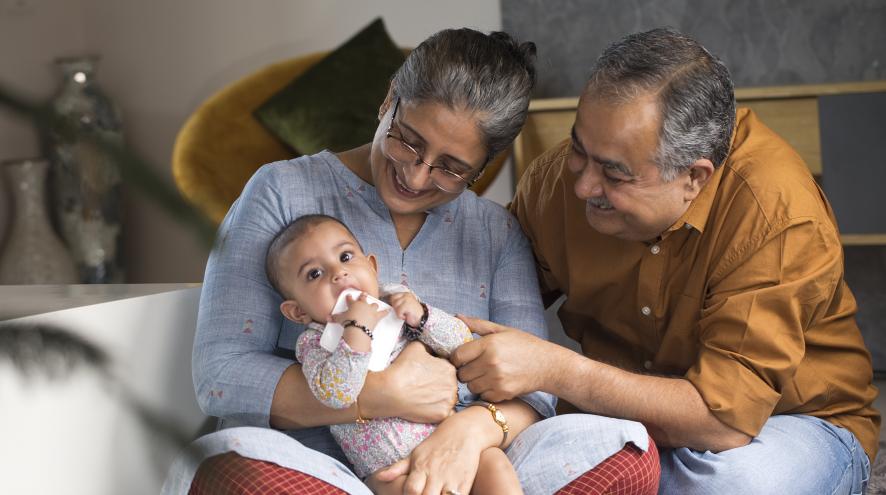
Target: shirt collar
[696,216]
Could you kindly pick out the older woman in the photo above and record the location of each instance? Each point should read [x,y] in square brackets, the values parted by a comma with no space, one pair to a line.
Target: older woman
[459,99]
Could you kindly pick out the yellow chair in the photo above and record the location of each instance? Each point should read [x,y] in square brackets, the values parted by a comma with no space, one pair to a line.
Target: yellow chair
[221,144]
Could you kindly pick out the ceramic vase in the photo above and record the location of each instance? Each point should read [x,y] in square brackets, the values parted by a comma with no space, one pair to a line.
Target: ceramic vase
[33,253]
[85,180]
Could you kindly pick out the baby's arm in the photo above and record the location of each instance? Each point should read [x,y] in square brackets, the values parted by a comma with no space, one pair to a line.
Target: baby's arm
[335,378]
[442,332]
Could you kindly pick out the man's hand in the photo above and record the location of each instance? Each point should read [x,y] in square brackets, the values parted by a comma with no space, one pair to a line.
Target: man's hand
[506,362]
[417,387]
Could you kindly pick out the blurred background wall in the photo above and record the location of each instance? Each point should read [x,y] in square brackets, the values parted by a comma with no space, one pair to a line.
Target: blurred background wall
[160,59]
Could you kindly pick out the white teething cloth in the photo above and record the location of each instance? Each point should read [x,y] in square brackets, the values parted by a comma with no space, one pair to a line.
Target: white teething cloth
[384,335]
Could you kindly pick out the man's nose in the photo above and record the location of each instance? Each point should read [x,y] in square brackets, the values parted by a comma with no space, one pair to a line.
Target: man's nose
[589,184]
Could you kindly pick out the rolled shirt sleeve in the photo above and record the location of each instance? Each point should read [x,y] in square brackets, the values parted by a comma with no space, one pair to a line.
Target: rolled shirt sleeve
[753,322]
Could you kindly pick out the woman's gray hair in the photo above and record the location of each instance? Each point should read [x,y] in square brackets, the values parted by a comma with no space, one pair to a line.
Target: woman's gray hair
[694,89]
[491,75]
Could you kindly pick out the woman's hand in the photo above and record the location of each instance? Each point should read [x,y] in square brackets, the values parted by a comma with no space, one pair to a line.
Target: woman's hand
[417,387]
[448,459]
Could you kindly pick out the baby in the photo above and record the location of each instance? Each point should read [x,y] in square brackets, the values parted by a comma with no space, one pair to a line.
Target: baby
[310,263]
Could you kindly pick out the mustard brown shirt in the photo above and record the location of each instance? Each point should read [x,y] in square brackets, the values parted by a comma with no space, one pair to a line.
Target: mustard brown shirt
[743,296]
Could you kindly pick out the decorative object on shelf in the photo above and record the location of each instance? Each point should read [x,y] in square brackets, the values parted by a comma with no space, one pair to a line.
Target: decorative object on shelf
[85,180]
[33,253]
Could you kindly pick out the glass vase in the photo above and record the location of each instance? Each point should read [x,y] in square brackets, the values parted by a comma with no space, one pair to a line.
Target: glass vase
[33,253]
[86,182]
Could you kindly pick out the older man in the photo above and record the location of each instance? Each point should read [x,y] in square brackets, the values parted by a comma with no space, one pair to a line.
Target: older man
[703,275]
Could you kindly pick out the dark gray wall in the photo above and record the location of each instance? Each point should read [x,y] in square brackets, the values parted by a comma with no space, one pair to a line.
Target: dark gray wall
[763,42]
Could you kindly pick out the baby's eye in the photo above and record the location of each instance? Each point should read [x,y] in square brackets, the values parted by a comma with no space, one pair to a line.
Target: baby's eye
[346,256]
[314,274]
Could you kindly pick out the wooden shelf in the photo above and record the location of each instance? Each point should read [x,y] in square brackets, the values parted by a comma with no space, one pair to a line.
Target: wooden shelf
[863,239]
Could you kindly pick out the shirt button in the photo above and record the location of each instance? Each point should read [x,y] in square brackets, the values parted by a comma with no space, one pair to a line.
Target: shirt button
[646,310]
[648,365]
[655,249]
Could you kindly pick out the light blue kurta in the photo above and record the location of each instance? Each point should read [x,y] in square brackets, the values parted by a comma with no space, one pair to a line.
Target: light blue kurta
[470,257]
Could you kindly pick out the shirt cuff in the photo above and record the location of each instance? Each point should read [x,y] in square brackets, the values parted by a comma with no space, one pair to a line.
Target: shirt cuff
[736,395]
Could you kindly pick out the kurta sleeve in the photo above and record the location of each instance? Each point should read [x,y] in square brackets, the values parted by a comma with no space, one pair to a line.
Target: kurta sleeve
[515,301]
[760,301]
[235,370]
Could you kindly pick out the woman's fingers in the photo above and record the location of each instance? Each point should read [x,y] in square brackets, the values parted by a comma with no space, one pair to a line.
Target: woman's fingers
[391,472]
[415,483]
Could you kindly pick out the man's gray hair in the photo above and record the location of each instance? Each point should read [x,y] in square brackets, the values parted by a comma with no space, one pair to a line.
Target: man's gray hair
[491,75]
[694,90]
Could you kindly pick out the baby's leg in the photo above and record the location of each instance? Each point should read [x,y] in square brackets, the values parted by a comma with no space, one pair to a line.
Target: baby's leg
[394,487]
[495,474]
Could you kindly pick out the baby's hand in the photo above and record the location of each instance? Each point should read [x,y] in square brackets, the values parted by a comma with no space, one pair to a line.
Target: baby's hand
[361,311]
[406,307]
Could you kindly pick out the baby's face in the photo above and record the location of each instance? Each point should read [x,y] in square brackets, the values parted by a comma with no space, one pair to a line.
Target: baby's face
[317,267]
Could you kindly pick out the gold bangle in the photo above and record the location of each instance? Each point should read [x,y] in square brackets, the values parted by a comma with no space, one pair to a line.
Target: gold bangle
[360,419]
[499,419]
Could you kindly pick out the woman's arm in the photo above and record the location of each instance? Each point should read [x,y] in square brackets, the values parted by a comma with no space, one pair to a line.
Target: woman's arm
[450,456]
[516,300]
[416,386]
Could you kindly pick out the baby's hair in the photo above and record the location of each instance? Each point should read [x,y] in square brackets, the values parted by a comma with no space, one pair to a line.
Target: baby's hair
[289,234]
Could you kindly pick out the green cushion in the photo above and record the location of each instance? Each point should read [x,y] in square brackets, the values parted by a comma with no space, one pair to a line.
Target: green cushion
[334,104]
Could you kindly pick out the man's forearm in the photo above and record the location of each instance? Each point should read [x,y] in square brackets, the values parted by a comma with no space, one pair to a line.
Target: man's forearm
[671,408]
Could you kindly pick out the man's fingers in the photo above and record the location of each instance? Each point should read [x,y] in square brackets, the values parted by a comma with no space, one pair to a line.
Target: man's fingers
[396,469]
[466,353]
[470,371]
[482,327]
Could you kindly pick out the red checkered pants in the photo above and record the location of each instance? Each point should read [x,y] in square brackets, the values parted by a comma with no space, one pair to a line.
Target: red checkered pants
[628,471]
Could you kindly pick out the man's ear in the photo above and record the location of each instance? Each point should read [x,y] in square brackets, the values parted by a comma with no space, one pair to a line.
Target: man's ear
[700,172]
[293,312]
[386,105]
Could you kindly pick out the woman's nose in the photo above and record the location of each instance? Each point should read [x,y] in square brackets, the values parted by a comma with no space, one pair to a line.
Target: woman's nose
[417,176]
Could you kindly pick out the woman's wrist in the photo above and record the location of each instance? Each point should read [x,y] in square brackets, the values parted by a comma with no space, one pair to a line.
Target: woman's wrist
[373,389]
[477,427]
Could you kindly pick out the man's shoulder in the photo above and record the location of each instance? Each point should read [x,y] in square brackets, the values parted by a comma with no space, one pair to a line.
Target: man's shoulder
[547,165]
[764,173]
[536,187]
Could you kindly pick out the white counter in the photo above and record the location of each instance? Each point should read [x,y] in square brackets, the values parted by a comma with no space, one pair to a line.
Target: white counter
[79,433]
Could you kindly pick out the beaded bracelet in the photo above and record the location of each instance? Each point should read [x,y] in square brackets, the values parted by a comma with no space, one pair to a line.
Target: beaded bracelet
[413,333]
[353,323]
